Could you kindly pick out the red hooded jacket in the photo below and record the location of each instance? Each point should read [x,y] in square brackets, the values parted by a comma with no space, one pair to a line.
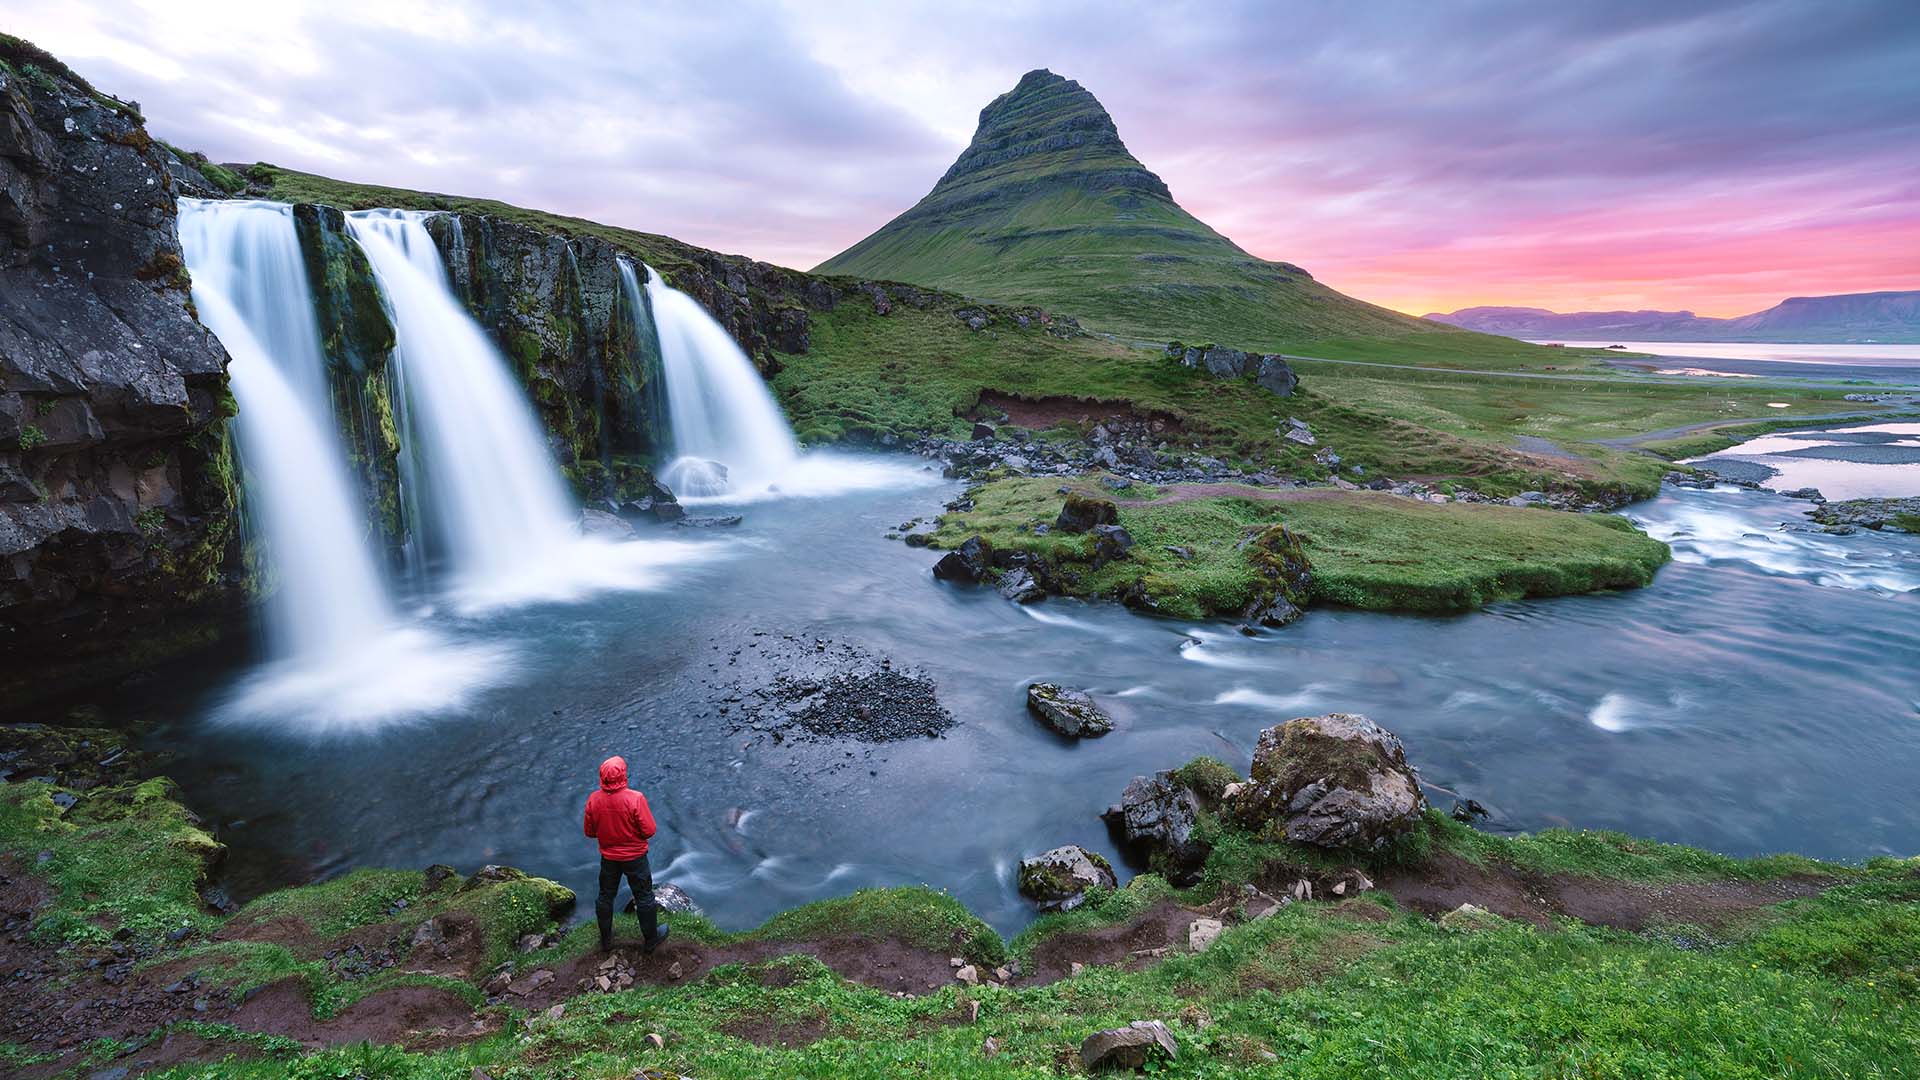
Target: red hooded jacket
[617,815]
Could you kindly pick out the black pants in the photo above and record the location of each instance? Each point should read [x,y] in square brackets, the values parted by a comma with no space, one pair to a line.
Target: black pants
[639,879]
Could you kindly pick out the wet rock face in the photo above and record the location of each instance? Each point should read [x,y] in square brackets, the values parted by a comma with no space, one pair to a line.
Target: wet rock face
[116,489]
[1059,879]
[1069,712]
[1336,781]
[589,361]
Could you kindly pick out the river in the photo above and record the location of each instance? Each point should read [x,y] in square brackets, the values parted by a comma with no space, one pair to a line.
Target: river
[1763,695]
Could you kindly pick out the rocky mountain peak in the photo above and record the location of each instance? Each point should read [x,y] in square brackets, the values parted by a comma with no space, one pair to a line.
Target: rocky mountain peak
[1050,123]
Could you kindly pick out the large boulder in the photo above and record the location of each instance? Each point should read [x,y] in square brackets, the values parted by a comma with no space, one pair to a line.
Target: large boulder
[1059,879]
[1157,816]
[1335,781]
[1130,1047]
[1069,712]
[1081,513]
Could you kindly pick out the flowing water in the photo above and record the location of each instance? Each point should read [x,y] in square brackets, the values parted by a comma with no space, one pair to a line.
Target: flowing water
[728,435]
[492,496]
[250,287]
[1762,695]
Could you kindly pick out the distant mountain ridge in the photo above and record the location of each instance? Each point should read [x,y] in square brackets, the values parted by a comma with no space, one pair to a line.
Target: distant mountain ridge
[1847,318]
[1047,206]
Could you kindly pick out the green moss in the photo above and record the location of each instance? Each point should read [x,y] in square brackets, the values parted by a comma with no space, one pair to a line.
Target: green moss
[128,857]
[31,437]
[1207,777]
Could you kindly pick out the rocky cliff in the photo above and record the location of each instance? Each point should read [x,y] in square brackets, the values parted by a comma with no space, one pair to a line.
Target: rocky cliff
[117,497]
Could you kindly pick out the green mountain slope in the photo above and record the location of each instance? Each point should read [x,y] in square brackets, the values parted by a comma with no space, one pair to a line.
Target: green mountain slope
[1047,206]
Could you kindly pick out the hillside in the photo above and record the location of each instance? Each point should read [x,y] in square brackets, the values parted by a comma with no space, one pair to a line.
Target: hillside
[1047,206]
[1884,317]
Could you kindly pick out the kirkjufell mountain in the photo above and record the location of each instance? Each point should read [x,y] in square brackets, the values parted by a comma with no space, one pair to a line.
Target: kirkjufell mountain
[1047,206]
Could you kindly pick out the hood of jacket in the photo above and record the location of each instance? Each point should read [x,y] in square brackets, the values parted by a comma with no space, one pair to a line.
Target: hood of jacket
[613,774]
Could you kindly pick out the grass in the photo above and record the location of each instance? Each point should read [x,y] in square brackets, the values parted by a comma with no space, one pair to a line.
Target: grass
[1367,549]
[128,857]
[1820,990]
[1823,986]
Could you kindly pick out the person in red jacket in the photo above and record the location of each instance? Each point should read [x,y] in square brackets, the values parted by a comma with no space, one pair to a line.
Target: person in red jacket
[618,817]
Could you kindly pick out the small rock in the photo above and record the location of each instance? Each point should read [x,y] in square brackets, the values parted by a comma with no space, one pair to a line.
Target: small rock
[1202,933]
[983,430]
[720,521]
[529,943]
[556,1011]
[1074,969]
[523,987]
[989,1047]
[656,1040]
[968,974]
[973,1011]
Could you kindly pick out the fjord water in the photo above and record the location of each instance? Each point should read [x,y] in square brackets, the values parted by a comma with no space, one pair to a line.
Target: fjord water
[1741,703]
[250,287]
[718,406]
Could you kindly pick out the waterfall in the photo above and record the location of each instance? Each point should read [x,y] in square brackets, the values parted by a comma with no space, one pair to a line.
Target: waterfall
[250,288]
[482,472]
[729,436]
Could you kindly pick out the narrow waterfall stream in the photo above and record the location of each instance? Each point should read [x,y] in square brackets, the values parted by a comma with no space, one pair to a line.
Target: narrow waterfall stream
[728,435]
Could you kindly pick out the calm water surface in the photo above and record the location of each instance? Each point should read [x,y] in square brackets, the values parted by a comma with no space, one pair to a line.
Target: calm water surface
[1763,695]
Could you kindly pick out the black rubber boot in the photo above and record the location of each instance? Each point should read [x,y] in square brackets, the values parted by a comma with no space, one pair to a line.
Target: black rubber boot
[657,940]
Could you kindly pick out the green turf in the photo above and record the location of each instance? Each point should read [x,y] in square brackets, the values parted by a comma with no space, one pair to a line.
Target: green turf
[1367,549]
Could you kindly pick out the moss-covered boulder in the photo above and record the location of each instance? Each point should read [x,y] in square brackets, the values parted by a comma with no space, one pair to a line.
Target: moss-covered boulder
[1283,578]
[1080,513]
[1335,781]
[1059,879]
[1067,712]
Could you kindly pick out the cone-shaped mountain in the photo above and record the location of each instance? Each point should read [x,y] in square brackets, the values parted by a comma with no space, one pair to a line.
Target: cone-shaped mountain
[1047,206]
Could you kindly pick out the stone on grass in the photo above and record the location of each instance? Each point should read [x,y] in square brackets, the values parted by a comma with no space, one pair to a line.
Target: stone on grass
[1081,513]
[1130,1047]
[1203,932]
[1069,712]
[1157,816]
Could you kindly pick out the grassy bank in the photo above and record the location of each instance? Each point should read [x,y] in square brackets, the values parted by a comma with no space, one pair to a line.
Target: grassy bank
[1367,549]
[1826,985]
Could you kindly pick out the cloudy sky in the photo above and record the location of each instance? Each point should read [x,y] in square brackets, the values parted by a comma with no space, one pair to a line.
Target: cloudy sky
[1427,156]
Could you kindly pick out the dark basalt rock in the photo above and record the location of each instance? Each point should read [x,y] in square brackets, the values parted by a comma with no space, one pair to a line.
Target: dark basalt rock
[1157,816]
[971,562]
[117,500]
[1270,370]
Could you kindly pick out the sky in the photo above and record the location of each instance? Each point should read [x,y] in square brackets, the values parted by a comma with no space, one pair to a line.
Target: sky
[1709,156]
